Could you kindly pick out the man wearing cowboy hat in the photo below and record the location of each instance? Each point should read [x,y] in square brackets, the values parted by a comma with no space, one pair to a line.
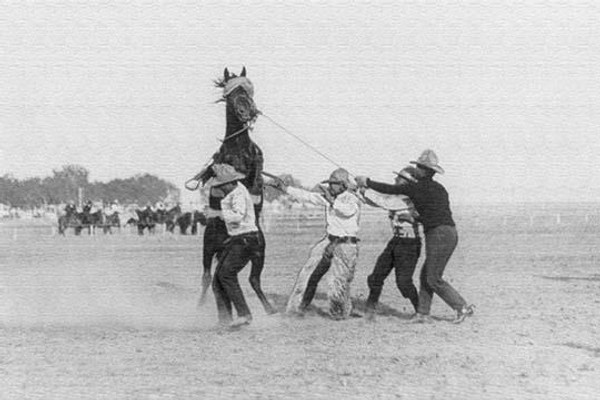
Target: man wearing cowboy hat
[237,210]
[403,249]
[338,250]
[432,203]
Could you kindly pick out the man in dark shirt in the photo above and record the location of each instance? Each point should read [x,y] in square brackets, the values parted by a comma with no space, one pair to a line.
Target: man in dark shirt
[431,201]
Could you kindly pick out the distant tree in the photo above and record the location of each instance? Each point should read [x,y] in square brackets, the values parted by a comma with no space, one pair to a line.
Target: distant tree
[65,182]
[63,186]
[8,189]
[272,194]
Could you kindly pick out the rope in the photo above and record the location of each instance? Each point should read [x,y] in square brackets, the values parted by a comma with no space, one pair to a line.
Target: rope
[304,142]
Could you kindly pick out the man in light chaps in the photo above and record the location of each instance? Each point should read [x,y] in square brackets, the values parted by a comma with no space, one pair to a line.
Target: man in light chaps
[337,251]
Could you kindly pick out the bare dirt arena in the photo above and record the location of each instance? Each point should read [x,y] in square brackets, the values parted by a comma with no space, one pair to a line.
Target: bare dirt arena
[115,317]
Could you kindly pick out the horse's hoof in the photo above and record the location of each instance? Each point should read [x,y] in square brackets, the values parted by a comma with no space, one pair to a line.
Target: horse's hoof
[270,311]
[201,302]
[241,321]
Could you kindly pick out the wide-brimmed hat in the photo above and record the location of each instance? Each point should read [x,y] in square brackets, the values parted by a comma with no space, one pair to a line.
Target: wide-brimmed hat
[224,173]
[429,159]
[340,175]
[407,173]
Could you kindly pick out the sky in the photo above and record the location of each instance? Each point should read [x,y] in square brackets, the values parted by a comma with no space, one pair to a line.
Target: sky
[507,93]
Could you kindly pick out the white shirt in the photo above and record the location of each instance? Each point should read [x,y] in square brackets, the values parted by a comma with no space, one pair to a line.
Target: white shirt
[342,217]
[402,212]
[237,209]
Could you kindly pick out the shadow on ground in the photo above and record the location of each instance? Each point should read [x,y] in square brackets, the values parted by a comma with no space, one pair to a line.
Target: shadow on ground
[359,307]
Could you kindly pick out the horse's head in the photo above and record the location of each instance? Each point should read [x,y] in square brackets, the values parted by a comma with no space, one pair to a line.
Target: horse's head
[238,94]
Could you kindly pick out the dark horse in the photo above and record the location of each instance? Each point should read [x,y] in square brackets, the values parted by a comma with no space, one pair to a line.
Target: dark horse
[246,157]
[71,219]
[80,220]
[187,219]
[146,220]
[111,221]
[168,217]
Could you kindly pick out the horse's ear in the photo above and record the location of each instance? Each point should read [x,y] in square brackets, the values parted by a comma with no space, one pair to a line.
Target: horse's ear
[243,71]
[226,74]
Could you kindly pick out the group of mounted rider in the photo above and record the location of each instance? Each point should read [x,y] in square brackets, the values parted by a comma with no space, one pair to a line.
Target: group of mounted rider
[233,235]
[92,217]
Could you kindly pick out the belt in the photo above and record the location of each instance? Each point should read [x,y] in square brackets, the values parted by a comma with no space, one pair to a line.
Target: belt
[212,213]
[343,239]
[246,234]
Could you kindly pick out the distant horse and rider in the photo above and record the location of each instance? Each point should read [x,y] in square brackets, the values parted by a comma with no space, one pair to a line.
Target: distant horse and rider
[190,219]
[87,219]
[148,219]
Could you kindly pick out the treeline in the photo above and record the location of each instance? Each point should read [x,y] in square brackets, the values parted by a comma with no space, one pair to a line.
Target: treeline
[65,183]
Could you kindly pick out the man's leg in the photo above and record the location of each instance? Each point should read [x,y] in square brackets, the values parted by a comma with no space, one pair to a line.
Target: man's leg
[235,258]
[320,270]
[382,269]
[300,285]
[222,300]
[406,256]
[440,244]
[343,265]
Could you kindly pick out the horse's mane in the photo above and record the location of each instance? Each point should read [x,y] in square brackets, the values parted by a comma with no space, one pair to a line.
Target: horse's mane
[220,82]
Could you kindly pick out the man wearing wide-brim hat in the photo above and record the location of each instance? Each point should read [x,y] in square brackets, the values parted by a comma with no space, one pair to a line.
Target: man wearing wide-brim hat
[237,210]
[337,251]
[431,201]
[402,251]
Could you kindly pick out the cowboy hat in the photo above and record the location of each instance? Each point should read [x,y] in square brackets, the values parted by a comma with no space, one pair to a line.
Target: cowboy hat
[428,159]
[407,173]
[224,173]
[340,175]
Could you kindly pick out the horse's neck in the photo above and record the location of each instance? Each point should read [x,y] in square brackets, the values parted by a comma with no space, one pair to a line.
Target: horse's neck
[234,125]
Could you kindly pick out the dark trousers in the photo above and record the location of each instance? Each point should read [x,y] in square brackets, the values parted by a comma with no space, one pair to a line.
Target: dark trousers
[440,243]
[215,235]
[226,287]
[401,255]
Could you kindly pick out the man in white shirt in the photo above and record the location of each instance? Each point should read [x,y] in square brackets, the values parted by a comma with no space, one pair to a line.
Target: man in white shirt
[237,210]
[338,250]
[403,249]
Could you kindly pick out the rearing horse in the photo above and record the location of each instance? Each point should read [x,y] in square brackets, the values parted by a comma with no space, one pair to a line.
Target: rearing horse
[246,157]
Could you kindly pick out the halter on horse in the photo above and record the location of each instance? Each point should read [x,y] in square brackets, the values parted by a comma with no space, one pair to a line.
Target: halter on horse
[246,157]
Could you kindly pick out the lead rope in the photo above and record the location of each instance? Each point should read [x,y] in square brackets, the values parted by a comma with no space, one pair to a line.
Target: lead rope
[194,183]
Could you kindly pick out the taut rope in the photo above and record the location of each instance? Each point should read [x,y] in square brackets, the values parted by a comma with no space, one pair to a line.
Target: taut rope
[195,181]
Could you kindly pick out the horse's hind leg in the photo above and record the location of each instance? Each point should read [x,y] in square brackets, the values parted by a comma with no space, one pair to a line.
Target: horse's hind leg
[257,260]
[209,252]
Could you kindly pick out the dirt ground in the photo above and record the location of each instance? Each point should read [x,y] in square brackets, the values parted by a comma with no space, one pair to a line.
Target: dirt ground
[115,317]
